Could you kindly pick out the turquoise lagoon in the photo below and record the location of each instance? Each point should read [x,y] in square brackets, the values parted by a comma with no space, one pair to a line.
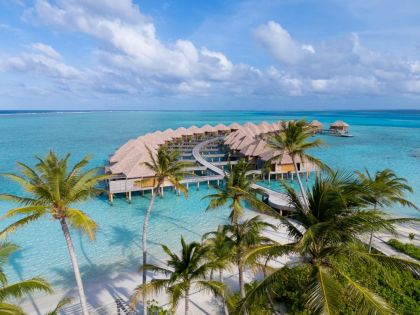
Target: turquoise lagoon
[381,139]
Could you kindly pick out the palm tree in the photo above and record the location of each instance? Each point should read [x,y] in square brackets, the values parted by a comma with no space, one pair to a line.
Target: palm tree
[220,252]
[237,189]
[326,234]
[60,305]
[242,237]
[52,188]
[185,272]
[166,166]
[293,140]
[384,189]
[10,292]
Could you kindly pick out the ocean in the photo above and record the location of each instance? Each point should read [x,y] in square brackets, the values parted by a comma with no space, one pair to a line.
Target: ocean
[382,139]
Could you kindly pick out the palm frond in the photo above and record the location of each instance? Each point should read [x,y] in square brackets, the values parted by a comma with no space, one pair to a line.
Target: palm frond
[324,292]
[81,221]
[366,301]
[20,289]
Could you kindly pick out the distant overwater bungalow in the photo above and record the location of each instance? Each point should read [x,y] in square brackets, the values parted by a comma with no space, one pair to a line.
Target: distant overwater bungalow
[212,150]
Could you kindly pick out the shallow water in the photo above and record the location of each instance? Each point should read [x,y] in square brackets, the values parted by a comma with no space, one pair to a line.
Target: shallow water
[382,139]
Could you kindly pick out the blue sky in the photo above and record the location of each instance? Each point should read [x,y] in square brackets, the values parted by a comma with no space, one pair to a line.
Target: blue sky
[213,54]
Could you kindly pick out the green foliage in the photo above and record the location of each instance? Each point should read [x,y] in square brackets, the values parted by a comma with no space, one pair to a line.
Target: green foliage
[183,272]
[10,293]
[52,187]
[237,190]
[259,305]
[411,236]
[399,287]
[330,248]
[153,308]
[402,292]
[290,289]
[409,249]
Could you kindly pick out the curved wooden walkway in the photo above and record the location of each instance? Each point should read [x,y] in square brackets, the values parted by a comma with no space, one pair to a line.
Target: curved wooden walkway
[275,199]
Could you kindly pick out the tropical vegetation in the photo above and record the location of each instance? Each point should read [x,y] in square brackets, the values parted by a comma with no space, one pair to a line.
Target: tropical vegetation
[327,239]
[166,166]
[52,187]
[183,273]
[11,292]
[384,189]
[293,139]
[236,190]
[408,249]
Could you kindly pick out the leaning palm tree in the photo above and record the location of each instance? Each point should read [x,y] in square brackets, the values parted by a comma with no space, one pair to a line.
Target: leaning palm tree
[184,272]
[325,235]
[220,251]
[384,189]
[292,139]
[52,187]
[166,165]
[236,190]
[244,236]
[9,293]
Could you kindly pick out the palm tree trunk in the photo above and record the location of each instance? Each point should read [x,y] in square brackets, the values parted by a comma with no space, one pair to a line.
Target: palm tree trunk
[241,281]
[370,241]
[187,301]
[302,190]
[75,265]
[225,309]
[371,234]
[145,227]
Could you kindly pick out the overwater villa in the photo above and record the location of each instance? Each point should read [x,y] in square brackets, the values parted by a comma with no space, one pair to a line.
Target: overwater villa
[340,128]
[317,126]
[211,150]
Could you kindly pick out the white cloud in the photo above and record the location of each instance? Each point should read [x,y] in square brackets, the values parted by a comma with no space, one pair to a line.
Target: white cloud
[133,60]
[47,50]
[278,42]
[42,64]
[308,48]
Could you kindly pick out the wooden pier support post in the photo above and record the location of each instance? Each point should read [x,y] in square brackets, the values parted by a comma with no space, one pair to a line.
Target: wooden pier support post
[208,184]
[111,198]
[292,176]
[187,186]
[269,178]
[281,176]
[198,185]
[129,196]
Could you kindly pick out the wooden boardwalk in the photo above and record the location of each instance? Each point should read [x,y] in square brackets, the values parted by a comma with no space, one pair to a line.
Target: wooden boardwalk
[275,199]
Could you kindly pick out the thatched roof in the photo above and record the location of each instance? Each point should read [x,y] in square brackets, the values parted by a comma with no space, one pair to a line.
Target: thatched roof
[316,123]
[208,128]
[221,127]
[339,123]
[195,130]
[235,126]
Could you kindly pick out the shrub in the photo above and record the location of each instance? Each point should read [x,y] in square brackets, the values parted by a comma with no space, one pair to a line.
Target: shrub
[409,249]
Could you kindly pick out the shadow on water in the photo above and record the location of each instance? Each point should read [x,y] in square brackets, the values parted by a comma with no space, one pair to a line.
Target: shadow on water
[124,237]
[15,261]
[181,224]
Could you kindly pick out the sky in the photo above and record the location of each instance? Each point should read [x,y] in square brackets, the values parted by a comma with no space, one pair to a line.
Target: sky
[213,54]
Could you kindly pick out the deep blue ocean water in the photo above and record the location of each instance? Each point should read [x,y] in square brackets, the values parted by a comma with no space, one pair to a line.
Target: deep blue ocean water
[382,139]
